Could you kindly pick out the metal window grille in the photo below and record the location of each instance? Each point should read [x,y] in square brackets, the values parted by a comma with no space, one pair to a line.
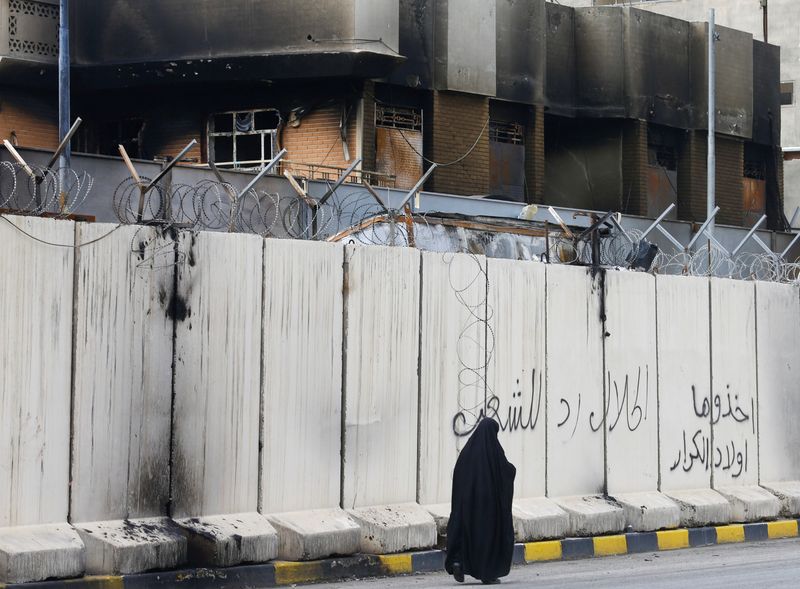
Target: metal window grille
[398,117]
[513,133]
[755,170]
[243,139]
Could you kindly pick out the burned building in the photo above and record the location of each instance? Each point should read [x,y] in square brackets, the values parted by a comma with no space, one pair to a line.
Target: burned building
[597,107]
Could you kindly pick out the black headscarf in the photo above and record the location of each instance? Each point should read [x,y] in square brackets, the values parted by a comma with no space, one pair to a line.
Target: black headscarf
[480,533]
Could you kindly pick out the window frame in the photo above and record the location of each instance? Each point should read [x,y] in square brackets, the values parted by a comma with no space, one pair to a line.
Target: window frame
[789,83]
[235,163]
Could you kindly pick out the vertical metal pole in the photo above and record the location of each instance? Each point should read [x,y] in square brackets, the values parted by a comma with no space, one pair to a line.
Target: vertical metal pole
[63,94]
[712,122]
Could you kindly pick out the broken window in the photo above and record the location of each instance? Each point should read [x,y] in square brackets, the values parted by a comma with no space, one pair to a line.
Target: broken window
[754,171]
[787,93]
[512,133]
[398,138]
[662,173]
[507,160]
[243,139]
[105,137]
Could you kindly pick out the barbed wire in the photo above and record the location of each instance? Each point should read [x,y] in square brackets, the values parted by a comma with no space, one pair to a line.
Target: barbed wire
[217,206]
[35,190]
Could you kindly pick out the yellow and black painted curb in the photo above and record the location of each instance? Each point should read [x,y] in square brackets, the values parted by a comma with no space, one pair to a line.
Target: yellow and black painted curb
[277,574]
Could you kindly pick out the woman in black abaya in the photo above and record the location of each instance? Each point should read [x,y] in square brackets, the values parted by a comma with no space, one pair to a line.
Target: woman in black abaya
[480,533]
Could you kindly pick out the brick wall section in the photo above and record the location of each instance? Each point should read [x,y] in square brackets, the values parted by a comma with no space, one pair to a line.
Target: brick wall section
[317,139]
[368,142]
[730,186]
[692,179]
[31,117]
[634,167]
[534,156]
[457,121]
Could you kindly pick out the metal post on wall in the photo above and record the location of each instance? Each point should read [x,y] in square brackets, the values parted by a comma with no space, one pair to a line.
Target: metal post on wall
[712,122]
[63,95]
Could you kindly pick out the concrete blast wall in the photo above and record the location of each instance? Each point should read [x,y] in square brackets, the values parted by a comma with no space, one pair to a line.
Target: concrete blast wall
[228,384]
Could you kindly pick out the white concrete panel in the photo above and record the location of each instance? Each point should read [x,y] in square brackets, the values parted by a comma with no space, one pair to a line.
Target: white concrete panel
[132,546]
[315,534]
[516,368]
[382,287]
[574,383]
[778,326]
[452,365]
[302,375]
[394,528]
[649,511]
[592,515]
[37,553]
[35,369]
[733,385]
[788,494]
[684,382]
[122,374]
[701,507]
[631,416]
[228,540]
[217,374]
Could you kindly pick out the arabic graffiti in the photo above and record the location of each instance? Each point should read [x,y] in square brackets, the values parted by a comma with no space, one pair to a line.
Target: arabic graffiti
[634,413]
[522,414]
[700,452]
[632,402]
[697,449]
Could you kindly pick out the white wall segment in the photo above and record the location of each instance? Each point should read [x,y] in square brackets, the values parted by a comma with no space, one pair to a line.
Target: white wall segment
[452,365]
[217,374]
[382,287]
[516,370]
[684,382]
[778,315]
[122,374]
[575,450]
[631,413]
[733,385]
[302,375]
[35,368]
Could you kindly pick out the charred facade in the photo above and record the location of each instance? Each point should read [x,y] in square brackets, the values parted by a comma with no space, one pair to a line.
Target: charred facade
[599,108]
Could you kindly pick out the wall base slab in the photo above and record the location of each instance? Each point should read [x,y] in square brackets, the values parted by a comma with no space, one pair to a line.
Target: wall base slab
[441,515]
[227,540]
[751,503]
[788,493]
[592,515]
[538,518]
[701,507]
[648,512]
[36,553]
[123,547]
[386,529]
[315,534]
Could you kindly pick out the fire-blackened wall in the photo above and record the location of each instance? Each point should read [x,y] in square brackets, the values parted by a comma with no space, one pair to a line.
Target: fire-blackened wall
[692,183]
[584,163]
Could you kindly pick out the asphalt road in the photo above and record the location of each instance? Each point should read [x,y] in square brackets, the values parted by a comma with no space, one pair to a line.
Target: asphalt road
[774,563]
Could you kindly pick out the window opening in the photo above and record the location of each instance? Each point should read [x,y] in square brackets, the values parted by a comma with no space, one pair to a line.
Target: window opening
[787,93]
[243,139]
[506,133]
[398,117]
